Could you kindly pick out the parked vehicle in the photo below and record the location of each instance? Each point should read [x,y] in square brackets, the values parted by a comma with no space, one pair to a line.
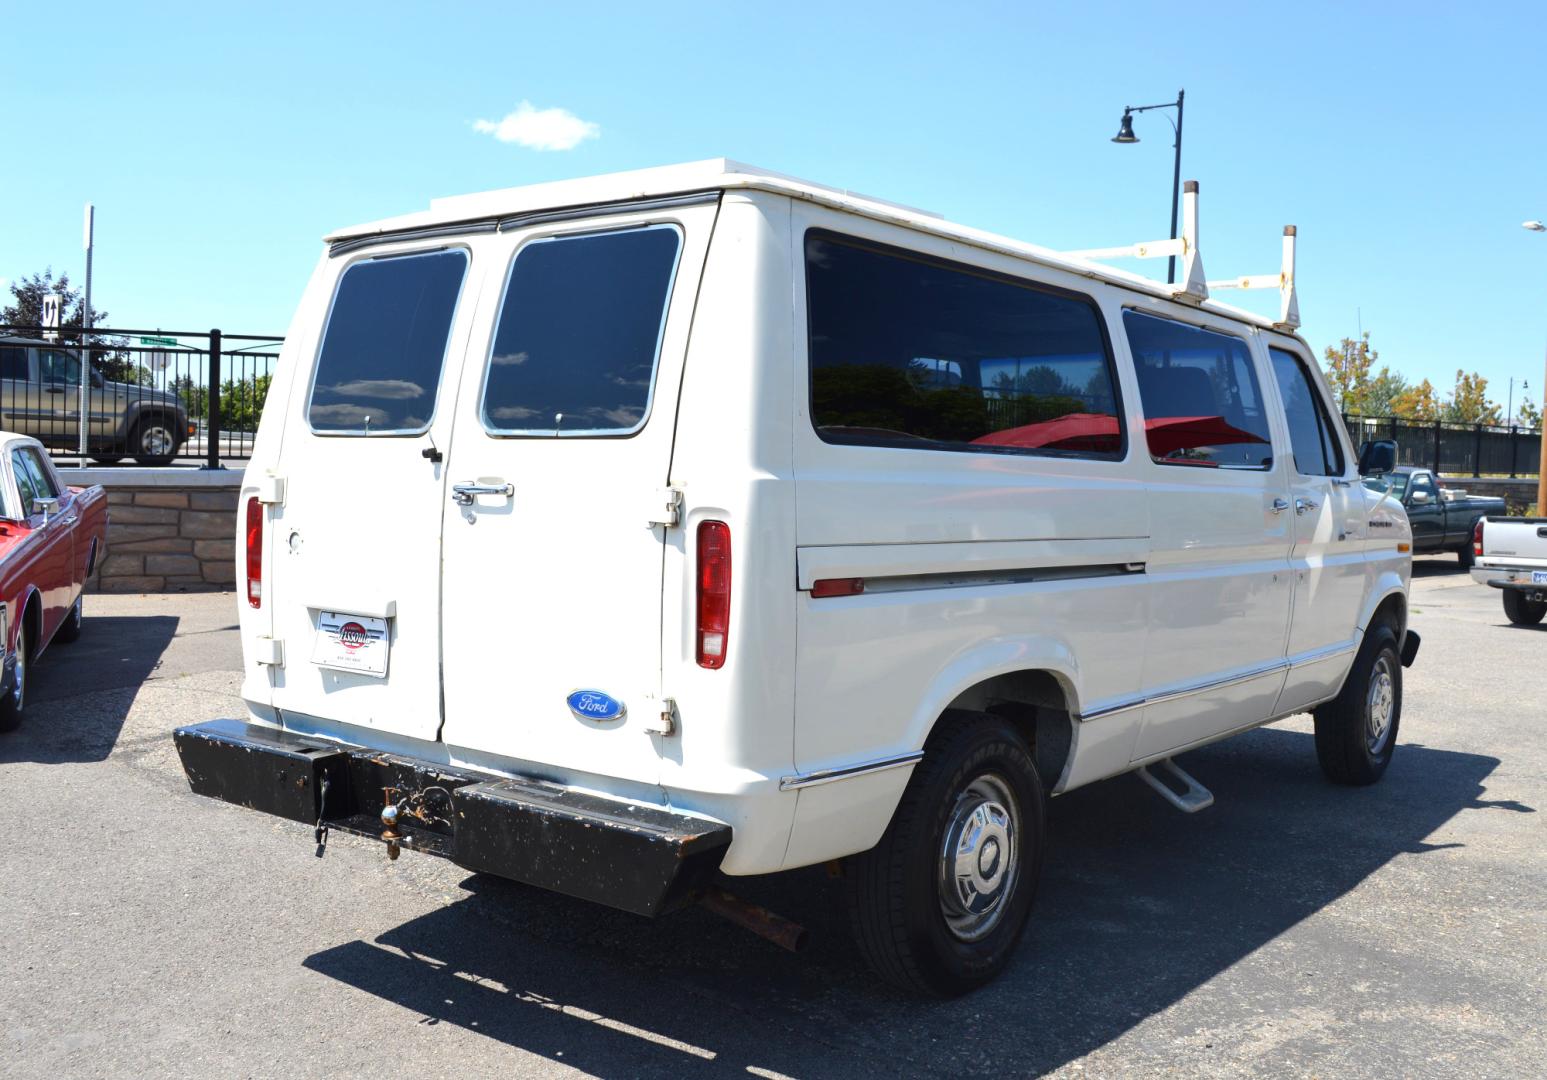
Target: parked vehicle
[606,534]
[1511,555]
[40,396]
[1442,519]
[51,536]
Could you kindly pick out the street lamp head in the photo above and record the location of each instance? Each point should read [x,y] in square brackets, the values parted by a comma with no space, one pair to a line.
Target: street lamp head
[1125,130]
[1534,226]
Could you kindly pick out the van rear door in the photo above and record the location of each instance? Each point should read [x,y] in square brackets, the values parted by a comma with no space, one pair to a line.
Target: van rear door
[558,465]
[355,561]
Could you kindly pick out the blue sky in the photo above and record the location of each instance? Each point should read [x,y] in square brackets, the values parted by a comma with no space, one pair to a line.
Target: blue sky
[1405,140]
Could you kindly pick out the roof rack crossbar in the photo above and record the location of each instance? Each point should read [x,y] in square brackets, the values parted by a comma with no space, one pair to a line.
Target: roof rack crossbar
[1192,288]
[1283,281]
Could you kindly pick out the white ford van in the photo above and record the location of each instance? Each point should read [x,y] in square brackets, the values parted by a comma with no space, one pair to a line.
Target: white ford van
[613,534]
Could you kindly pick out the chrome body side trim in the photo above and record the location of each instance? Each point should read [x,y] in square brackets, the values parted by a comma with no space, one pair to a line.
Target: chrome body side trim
[633,206]
[828,776]
[343,247]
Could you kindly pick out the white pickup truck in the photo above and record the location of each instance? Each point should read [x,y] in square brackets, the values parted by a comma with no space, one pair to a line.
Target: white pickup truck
[1511,556]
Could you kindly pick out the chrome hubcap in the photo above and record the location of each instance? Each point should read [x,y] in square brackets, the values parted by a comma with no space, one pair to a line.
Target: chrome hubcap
[156,440]
[979,857]
[1380,705]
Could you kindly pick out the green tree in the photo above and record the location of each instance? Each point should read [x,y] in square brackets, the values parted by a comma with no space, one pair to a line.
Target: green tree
[1347,366]
[110,355]
[1383,392]
[1469,402]
[1528,414]
[241,402]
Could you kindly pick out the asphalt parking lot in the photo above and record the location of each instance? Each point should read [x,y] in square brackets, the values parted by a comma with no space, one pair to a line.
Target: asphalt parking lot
[1293,928]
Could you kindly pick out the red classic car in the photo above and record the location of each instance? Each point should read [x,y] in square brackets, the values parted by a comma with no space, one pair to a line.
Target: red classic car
[51,536]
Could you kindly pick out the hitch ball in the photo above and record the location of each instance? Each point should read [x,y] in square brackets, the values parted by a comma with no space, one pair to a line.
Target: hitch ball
[389,832]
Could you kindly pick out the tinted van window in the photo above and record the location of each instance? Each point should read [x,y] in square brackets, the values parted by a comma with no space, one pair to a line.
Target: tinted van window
[1202,403]
[1311,435]
[13,362]
[379,369]
[579,334]
[913,352]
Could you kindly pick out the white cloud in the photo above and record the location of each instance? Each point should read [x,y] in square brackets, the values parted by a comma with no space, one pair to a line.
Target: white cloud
[540,129]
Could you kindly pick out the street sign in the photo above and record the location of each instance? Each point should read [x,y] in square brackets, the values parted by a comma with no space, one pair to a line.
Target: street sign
[52,302]
[159,341]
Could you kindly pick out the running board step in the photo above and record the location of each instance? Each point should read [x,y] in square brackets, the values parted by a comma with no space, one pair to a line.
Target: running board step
[1196,797]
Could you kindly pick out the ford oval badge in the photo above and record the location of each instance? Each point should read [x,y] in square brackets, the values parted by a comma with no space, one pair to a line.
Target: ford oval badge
[595,705]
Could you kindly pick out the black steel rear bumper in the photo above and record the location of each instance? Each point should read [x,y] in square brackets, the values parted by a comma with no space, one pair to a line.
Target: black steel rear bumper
[643,859]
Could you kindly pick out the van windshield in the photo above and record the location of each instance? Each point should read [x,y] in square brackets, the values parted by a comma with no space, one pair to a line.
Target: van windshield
[579,333]
[385,344]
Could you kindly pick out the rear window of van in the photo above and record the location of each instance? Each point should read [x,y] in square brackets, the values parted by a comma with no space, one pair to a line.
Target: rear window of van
[385,344]
[580,333]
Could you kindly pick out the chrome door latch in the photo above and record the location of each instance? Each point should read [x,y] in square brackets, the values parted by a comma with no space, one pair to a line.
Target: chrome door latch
[1280,505]
[1303,506]
[665,508]
[465,493]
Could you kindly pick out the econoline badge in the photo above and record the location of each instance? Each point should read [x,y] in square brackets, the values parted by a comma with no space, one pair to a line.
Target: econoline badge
[595,705]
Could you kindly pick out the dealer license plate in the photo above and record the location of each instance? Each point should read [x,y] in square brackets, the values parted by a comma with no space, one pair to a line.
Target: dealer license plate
[355,643]
[1539,577]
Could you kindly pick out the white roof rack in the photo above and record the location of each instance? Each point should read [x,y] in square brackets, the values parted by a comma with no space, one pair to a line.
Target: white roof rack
[1194,288]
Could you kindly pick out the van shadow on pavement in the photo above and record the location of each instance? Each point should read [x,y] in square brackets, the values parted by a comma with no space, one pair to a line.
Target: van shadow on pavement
[1139,906]
[114,652]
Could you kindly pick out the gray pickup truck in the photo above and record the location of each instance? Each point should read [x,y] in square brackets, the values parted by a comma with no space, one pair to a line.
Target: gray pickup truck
[40,396]
[1441,521]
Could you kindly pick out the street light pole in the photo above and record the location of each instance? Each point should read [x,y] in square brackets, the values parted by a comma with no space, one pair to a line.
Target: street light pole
[1541,469]
[1125,136]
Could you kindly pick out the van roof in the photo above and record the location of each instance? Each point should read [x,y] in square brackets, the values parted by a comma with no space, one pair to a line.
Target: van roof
[727,175]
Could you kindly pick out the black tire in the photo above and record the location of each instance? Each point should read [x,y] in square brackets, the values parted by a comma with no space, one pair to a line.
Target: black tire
[107,459]
[1356,731]
[11,704]
[70,629]
[154,440]
[1521,610]
[1466,556]
[908,914]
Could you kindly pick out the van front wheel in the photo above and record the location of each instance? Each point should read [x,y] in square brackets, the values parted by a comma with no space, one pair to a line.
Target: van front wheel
[1357,730]
[938,906]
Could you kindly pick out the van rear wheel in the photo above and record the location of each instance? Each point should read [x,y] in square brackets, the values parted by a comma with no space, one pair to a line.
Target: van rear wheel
[938,906]
[1521,610]
[1356,731]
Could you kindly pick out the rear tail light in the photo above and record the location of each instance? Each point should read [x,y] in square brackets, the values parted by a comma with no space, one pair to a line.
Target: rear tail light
[254,552]
[1477,538]
[714,592]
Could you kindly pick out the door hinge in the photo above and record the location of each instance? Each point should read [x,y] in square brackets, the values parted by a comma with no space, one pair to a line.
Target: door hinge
[269,651]
[271,489]
[665,507]
[660,718]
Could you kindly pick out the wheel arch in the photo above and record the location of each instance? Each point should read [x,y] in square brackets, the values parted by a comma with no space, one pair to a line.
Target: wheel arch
[32,619]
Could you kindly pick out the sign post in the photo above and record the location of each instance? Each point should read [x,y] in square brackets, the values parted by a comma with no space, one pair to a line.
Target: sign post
[85,333]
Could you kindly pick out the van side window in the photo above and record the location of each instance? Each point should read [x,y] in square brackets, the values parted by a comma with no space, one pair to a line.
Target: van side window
[579,334]
[379,369]
[908,351]
[1311,436]
[1202,403]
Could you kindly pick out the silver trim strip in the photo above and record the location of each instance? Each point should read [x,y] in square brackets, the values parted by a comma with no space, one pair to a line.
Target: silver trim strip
[828,776]
[1218,684]
[632,206]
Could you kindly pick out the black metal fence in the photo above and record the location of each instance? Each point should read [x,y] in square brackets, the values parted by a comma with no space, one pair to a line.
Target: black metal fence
[1455,449]
[153,397]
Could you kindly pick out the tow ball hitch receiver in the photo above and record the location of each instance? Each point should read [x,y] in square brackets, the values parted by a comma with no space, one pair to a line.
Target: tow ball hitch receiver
[389,832]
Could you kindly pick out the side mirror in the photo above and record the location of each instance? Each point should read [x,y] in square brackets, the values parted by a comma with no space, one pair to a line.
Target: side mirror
[1418,497]
[48,504]
[1377,457]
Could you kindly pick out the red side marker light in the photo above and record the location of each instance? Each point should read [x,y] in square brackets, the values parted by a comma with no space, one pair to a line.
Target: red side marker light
[838,586]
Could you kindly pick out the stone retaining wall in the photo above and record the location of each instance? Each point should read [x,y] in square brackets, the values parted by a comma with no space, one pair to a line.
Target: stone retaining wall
[170,531]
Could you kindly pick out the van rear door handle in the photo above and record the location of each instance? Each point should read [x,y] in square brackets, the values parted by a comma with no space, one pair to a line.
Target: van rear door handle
[465,493]
[1305,505]
[1280,505]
